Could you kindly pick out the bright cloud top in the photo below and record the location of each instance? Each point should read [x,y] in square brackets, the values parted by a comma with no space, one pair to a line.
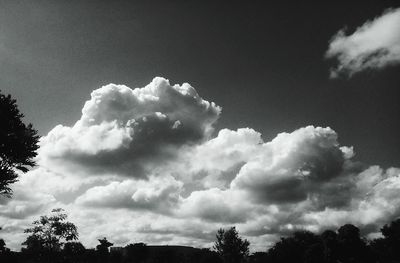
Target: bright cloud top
[142,165]
[122,129]
[374,45]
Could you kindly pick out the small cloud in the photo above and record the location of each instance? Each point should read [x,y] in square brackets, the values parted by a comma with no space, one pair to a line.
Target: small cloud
[159,194]
[374,45]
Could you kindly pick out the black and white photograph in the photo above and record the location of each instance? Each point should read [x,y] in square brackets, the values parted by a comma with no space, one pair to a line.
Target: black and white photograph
[183,131]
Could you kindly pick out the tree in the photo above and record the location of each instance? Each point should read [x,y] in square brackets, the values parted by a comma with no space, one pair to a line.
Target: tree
[2,245]
[230,246]
[352,247]
[73,248]
[73,252]
[392,231]
[102,248]
[301,246]
[49,232]
[18,144]
[390,244]
[331,246]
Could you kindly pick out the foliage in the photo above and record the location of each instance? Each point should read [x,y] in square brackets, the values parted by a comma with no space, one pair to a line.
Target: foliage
[73,252]
[392,231]
[353,248]
[49,232]
[73,248]
[388,247]
[302,245]
[2,246]
[344,245]
[102,248]
[230,246]
[18,144]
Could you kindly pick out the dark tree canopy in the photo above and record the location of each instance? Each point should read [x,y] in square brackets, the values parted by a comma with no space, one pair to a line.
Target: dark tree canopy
[74,248]
[392,231]
[102,248]
[18,143]
[137,252]
[49,232]
[2,245]
[230,246]
[388,247]
[302,246]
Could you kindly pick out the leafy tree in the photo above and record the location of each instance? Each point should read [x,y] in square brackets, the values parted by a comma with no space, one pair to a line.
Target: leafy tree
[331,246]
[392,231]
[74,248]
[230,246]
[302,246]
[34,243]
[389,245]
[18,144]
[2,246]
[49,232]
[73,251]
[352,247]
[102,248]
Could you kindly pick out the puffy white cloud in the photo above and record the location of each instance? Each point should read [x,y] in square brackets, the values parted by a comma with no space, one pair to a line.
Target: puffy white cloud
[216,162]
[289,168]
[157,194]
[216,205]
[121,129]
[142,166]
[374,45]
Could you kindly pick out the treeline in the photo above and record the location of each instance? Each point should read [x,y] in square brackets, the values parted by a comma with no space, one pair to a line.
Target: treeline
[345,245]
[53,239]
[75,252]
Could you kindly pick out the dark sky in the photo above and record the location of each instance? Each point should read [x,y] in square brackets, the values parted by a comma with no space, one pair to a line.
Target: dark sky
[263,63]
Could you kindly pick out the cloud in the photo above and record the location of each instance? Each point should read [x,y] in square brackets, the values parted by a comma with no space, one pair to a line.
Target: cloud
[216,162]
[143,165]
[156,194]
[216,205]
[121,129]
[289,167]
[374,45]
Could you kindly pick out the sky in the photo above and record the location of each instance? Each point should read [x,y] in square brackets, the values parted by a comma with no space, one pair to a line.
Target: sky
[164,121]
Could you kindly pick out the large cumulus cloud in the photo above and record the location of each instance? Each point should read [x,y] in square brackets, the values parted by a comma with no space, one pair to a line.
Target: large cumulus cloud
[374,45]
[143,165]
[293,166]
[121,129]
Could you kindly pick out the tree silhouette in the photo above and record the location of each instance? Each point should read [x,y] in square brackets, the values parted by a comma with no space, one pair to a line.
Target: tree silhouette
[389,246]
[34,244]
[73,251]
[18,144]
[352,247]
[230,246]
[391,232]
[49,232]
[102,248]
[2,246]
[302,246]
[331,246]
[73,248]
